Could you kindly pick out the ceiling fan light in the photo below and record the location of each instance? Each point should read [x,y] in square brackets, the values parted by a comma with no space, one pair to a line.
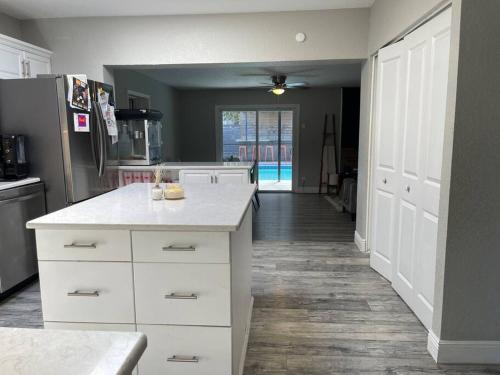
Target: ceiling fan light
[278,90]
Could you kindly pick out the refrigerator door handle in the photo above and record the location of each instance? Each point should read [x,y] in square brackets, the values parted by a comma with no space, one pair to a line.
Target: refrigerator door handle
[94,137]
[103,141]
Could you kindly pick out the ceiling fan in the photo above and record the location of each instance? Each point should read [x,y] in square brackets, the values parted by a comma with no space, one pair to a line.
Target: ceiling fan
[279,84]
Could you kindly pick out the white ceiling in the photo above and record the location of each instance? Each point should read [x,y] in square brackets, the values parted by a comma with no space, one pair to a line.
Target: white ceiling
[29,9]
[217,76]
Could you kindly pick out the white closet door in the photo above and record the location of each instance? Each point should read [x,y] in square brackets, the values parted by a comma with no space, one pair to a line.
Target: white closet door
[390,88]
[438,31]
[408,194]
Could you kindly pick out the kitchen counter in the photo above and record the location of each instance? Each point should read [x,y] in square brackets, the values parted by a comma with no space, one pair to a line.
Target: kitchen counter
[204,208]
[8,184]
[192,165]
[45,351]
[179,271]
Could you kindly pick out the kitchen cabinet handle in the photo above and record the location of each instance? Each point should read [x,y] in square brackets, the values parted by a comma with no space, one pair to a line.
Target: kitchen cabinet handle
[90,245]
[79,293]
[211,179]
[183,358]
[384,180]
[23,65]
[28,73]
[407,188]
[181,296]
[179,248]
[216,179]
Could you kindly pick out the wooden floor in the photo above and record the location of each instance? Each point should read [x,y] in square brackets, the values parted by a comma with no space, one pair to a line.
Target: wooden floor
[22,309]
[319,308]
[300,217]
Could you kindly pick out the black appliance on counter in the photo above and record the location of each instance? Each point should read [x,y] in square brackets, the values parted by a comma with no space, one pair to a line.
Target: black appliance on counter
[13,159]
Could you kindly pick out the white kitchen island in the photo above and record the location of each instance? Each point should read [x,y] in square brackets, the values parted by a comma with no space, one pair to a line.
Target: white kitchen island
[178,271]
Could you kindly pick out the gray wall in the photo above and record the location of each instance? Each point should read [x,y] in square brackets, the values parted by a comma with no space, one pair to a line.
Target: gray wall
[230,38]
[388,19]
[469,276]
[198,122]
[163,98]
[10,26]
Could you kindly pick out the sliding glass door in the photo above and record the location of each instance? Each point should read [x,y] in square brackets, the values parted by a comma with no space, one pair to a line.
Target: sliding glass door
[264,136]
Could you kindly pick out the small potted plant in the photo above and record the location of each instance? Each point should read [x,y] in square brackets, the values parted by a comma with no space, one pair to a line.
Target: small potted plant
[157,191]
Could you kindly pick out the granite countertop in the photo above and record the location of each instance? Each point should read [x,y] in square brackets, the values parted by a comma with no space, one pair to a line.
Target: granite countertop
[8,184]
[205,208]
[193,165]
[60,352]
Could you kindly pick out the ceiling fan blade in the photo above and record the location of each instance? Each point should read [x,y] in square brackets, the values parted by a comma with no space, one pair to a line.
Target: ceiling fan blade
[297,84]
[255,75]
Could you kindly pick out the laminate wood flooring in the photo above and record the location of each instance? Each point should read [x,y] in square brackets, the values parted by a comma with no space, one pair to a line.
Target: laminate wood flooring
[320,309]
[22,309]
[300,217]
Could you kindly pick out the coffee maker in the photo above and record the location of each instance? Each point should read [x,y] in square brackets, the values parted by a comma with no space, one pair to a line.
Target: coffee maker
[13,161]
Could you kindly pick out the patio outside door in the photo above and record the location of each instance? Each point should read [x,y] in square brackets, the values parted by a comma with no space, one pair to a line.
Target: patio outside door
[264,136]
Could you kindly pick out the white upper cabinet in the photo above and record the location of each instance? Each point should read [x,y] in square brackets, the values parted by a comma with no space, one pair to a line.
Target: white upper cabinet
[11,62]
[22,60]
[36,64]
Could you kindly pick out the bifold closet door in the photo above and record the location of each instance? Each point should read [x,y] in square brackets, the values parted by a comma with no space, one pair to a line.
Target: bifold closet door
[409,194]
[404,227]
[438,34]
[385,183]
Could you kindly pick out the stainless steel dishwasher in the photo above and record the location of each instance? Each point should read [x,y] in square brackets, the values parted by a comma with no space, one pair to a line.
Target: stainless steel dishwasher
[18,259]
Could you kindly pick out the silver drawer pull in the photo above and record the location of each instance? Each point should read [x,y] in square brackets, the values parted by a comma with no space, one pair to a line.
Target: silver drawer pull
[89,245]
[183,358]
[181,296]
[178,248]
[80,293]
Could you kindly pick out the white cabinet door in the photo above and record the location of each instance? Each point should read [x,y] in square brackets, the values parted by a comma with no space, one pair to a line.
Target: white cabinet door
[11,62]
[194,176]
[390,81]
[231,176]
[36,64]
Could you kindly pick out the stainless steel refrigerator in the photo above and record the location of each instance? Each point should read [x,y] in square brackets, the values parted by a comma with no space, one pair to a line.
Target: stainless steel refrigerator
[73,165]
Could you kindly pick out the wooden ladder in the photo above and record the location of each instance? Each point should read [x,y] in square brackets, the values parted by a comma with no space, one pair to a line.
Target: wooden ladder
[329,139]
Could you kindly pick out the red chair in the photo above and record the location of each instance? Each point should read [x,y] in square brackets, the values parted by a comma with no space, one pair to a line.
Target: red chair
[284,153]
[271,149]
[254,151]
[243,151]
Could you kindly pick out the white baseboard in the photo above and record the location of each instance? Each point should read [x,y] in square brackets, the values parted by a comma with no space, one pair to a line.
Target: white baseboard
[463,352]
[245,342]
[360,242]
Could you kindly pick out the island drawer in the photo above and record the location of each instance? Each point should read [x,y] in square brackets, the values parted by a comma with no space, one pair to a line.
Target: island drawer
[191,294]
[180,247]
[100,292]
[186,350]
[99,245]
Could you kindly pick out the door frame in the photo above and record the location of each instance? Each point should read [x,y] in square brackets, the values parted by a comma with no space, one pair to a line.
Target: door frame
[263,107]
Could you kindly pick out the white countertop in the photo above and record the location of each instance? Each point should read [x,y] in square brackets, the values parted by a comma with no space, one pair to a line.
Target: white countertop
[60,352]
[192,165]
[8,184]
[211,207]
